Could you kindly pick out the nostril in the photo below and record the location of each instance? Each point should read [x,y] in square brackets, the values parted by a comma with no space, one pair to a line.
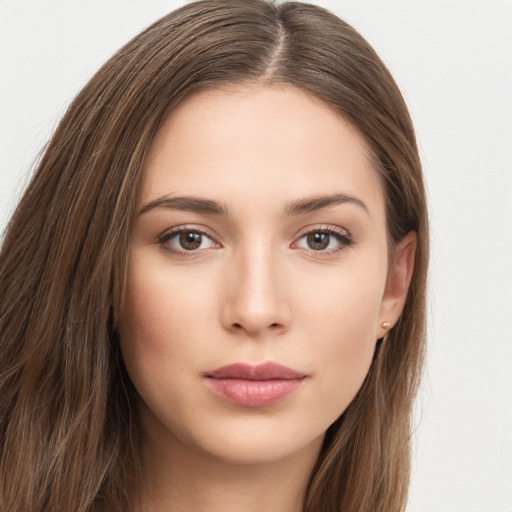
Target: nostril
[273,326]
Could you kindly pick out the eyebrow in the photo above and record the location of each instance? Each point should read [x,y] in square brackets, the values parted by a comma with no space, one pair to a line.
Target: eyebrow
[186,203]
[310,204]
[294,208]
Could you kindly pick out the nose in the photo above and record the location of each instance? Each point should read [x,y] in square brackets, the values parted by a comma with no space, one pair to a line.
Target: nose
[256,295]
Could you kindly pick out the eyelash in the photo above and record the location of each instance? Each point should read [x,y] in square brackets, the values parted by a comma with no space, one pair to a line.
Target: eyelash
[344,238]
[169,235]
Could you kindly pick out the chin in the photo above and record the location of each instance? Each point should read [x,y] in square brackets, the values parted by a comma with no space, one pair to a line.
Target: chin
[260,440]
[254,451]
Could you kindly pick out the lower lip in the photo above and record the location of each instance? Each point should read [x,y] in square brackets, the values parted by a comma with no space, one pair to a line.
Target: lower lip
[253,393]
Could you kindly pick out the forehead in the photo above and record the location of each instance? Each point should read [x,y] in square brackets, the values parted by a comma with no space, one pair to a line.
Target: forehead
[272,143]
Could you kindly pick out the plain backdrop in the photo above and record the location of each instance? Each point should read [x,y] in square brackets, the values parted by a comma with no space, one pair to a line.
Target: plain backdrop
[453,62]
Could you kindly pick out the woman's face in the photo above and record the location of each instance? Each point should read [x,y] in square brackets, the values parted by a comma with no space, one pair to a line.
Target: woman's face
[259,243]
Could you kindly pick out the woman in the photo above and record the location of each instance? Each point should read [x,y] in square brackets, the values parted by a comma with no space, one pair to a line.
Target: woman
[213,290]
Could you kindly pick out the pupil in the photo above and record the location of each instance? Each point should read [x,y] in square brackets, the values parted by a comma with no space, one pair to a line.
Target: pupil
[190,241]
[318,241]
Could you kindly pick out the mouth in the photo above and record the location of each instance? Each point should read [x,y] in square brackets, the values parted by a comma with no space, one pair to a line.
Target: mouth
[254,385]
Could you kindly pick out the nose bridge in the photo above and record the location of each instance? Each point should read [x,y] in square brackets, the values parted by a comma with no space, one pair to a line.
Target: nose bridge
[256,300]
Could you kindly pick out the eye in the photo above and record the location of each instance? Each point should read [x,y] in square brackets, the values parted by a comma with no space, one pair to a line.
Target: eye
[324,240]
[185,240]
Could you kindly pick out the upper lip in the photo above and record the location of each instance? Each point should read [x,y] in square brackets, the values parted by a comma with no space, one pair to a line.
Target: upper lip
[263,371]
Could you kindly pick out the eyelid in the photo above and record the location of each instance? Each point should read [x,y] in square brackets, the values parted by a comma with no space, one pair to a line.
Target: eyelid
[322,227]
[169,233]
[344,237]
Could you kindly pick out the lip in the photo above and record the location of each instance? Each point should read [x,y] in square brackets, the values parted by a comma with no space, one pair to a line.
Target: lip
[254,385]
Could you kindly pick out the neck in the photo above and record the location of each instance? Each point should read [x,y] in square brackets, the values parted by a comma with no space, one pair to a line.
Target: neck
[179,478]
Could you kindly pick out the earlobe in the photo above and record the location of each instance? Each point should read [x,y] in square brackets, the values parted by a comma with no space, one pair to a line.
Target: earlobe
[398,281]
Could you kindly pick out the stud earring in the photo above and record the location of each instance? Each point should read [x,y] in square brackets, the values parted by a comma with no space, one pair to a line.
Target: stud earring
[386,325]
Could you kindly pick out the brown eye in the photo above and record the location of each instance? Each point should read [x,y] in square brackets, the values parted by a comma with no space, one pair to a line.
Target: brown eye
[182,241]
[318,240]
[325,241]
[190,240]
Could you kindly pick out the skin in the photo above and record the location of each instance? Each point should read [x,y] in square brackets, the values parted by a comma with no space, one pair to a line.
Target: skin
[254,290]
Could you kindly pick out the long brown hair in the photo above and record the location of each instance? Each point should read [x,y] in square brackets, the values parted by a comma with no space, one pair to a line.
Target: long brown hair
[68,433]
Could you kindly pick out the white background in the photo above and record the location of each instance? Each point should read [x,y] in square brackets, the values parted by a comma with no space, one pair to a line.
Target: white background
[453,61]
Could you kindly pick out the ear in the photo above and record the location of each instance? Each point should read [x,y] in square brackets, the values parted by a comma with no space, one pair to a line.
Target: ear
[397,285]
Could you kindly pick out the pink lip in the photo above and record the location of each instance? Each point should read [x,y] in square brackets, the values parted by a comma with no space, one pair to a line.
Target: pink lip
[253,386]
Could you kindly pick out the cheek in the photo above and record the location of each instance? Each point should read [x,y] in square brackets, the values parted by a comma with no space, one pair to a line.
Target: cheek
[341,319]
[160,301]
[344,305]
[159,321]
